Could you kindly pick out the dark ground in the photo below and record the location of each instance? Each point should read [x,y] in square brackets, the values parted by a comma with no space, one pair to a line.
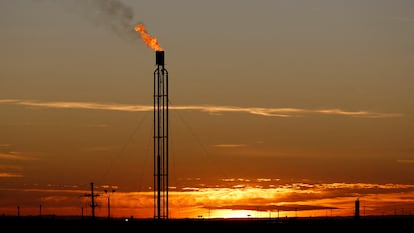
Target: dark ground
[333,224]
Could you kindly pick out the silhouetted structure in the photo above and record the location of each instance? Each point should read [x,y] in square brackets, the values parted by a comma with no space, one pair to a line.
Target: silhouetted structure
[93,204]
[357,209]
[160,138]
[109,201]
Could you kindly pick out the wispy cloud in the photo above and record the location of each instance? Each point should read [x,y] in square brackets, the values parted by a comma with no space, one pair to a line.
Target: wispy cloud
[405,161]
[9,171]
[16,156]
[10,167]
[212,109]
[79,105]
[98,125]
[8,175]
[97,148]
[229,145]
[272,207]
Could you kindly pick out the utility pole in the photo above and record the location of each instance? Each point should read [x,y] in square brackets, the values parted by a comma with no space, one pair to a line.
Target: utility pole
[92,195]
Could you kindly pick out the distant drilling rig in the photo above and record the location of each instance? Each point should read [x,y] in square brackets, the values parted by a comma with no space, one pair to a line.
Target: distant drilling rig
[160,126]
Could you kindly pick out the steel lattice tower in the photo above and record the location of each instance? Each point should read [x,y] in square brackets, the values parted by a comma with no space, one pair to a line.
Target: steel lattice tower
[160,138]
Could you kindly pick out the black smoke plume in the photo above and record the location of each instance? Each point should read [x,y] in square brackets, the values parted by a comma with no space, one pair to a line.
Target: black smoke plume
[114,15]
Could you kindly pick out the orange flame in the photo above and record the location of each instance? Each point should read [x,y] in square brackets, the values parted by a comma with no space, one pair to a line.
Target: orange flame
[150,41]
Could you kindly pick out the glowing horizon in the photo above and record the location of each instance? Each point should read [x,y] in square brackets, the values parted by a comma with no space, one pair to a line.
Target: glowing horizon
[288,200]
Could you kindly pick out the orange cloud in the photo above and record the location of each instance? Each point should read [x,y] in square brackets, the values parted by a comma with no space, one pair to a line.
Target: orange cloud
[229,145]
[8,175]
[405,161]
[269,112]
[16,156]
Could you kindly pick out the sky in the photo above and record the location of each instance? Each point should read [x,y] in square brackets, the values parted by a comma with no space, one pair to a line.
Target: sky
[277,108]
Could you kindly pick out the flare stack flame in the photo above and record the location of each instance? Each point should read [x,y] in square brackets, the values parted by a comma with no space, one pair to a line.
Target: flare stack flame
[150,41]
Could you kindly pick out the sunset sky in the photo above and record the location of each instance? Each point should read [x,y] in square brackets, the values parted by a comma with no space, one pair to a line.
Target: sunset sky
[282,107]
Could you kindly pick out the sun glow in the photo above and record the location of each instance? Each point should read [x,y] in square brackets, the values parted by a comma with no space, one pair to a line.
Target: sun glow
[236,214]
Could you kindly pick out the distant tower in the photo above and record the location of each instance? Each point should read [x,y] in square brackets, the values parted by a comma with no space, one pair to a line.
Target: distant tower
[160,138]
[357,208]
